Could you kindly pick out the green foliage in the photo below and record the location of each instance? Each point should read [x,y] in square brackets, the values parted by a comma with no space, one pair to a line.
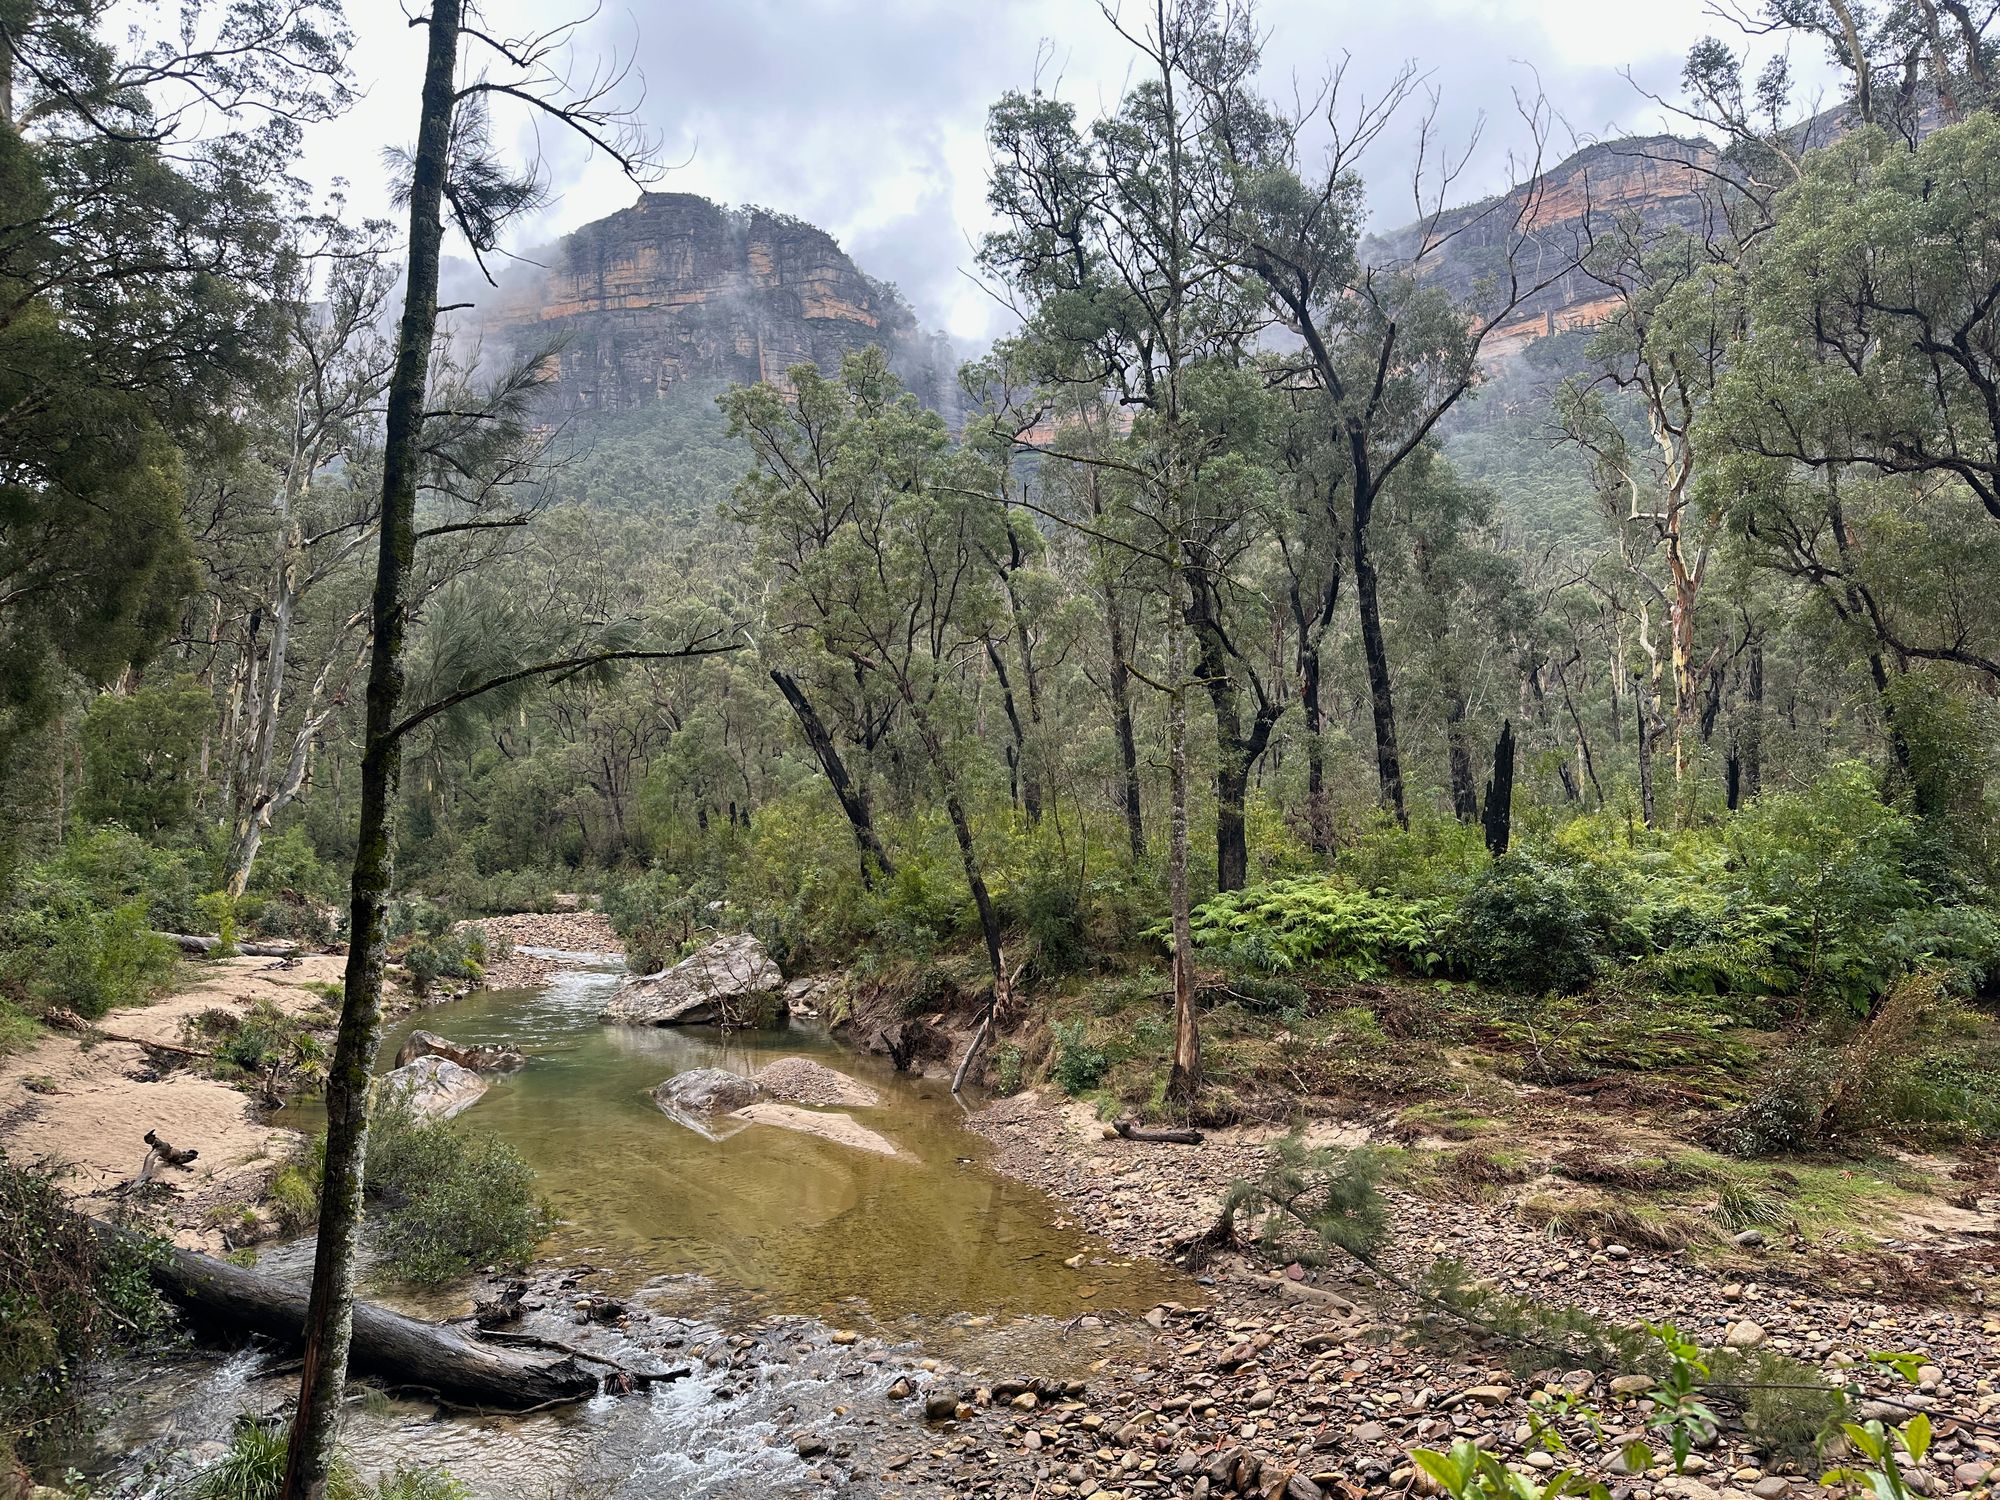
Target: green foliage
[446,1201]
[458,953]
[1531,924]
[140,756]
[1837,858]
[1008,1066]
[656,915]
[443,1200]
[1319,925]
[1079,1065]
[262,1042]
[62,947]
[1310,1202]
[63,1299]
[253,1467]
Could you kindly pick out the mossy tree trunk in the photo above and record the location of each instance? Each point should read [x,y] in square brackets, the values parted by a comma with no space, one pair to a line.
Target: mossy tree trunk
[330,1311]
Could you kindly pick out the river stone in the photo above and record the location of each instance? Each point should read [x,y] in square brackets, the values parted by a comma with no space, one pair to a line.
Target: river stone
[731,982]
[706,1091]
[800,1080]
[478,1059]
[434,1088]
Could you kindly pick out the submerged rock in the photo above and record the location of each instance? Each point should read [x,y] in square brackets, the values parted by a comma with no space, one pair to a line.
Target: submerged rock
[731,982]
[706,1091]
[434,1088]
[828,1125]
[479,1059]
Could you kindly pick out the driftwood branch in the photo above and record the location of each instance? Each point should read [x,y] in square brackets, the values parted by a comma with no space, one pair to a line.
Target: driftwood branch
[194,942]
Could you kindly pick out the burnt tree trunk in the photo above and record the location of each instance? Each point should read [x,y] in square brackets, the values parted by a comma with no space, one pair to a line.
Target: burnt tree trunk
[1121,715]
[1499,815]
[1464,792]
[1375,656]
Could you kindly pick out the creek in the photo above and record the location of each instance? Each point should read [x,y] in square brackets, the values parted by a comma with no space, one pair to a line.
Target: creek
[754,1247]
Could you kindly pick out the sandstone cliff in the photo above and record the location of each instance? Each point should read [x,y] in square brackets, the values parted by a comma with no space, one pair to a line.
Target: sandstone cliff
[677,290]
[1662,178]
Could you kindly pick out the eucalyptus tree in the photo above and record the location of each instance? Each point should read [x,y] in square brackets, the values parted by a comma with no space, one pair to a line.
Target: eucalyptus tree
[1103,248]
[1391,351]
[143,259]
[1874,313]
[1675,321]
[880,538]
[449,469]
[288,527]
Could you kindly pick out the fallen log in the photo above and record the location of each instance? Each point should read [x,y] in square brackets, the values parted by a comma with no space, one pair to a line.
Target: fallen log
[1172,1135]
[401,1351]
[194,942]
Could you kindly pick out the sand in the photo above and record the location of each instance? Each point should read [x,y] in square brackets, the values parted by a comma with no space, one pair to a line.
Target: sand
[83,1110]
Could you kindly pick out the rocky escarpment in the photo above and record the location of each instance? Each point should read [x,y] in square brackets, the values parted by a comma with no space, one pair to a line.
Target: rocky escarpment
[677,291]
[1661,178]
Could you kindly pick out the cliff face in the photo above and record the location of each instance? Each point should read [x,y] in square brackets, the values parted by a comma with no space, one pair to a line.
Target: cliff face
[1660,178]
[676,289]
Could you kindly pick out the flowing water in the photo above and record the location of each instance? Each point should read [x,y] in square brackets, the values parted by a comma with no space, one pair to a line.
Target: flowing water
[760,1241]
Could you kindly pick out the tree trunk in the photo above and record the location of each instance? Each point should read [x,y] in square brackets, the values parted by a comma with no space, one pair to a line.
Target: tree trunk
[1030,741]
[329,1326]
[1184,1082]
[1121,716]
[853,800]
[402,1351]
[1752,738]
[1499,815]
[1640,696]
[1236,753]
[1021,787]
[1464,791]
[1375,654]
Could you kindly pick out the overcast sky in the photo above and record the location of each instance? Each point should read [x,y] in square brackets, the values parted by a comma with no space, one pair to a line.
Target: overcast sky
[866,116]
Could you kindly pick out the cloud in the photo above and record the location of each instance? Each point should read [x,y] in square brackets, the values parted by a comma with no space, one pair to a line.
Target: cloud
[866,117]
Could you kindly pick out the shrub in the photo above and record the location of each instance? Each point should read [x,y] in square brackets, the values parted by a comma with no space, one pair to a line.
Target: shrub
[448,1200]
[253,1467]
[1531,924]
[458,954]
[68,954]
[442,1201]
[63,1298]
[1079,1065]
[262,1041]
[1007,1069]
[1052,911]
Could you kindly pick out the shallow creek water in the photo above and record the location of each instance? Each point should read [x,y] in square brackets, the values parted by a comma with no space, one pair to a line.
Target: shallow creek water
[768,1233]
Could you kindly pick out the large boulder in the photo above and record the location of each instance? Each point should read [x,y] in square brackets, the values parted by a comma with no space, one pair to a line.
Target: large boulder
[479,1059]
[731,982]
[433,1088]
[706,1091]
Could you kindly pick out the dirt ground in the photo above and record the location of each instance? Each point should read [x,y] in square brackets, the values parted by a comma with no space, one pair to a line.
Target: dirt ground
[83,1107]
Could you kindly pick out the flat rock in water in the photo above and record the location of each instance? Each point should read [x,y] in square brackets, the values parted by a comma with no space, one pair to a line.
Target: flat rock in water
[434,1088]
[706,1091]
[732,981]
[478,1059]
[842,1129]
[800,1080]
